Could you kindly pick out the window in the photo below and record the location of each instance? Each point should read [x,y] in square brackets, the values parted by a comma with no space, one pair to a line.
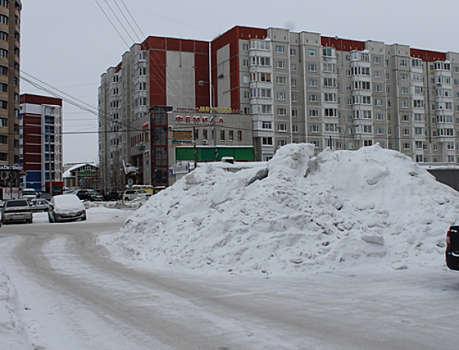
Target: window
[405,118]
[406,145]
[245,62]
[246,94]
[293,82]
[280,64]
[417,117]
[281,95]
[403,63]
[313,82]
[312,52]
[314,128]
[280,49]
[292,52]
[239,135]
[3,36]
[261,93]
[3,122]
[403,76]
[450,145]
[314,113]
[378,88]
[377,60]
[280,80]
[417,76]
[267,141]
[230,135]
[282,127]
[294,113]
[330,97]
[295,128]
[245,47]
[294,98]
[327,52]
[379,131]
[379,116]
[419,131]
[378,102]
[282,112]
[312,67]
[377,74]
[293,67]
[3,140]
[313,98]
[329,82]
[406,132]
[331,128]
[418,103]
[261,109]
[330,112]
[329,67]
[3,104]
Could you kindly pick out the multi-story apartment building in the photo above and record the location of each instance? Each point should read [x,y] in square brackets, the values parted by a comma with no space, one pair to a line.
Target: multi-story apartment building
[343,94]
[157,72]
[10,21]
[41,141]
[304,87]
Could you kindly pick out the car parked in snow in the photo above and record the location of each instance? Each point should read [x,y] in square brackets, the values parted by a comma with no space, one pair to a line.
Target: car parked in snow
[89,195]
[66,207]
[113,196]
[29,194]
[452,248]
[130,195]
[16,210]
[39,205]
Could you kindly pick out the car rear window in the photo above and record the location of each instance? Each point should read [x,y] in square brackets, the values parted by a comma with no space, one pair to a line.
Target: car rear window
[18,203]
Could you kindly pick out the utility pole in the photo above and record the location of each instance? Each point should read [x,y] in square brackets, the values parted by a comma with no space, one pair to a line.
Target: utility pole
[194,149]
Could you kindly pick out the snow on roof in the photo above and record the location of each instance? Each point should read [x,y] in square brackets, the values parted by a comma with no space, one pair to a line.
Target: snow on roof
[76,166]
[337,210]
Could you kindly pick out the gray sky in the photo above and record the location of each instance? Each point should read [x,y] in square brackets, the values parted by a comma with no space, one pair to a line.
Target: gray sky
[69,44]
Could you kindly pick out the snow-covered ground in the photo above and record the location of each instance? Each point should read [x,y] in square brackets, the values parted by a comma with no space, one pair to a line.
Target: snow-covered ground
[366,211]
[16,328]
[342,209]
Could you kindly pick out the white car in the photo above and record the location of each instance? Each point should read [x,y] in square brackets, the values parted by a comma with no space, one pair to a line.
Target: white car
[130,195]
[66,207]
[29,194]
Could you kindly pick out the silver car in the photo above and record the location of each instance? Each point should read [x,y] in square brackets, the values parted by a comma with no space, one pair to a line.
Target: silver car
[16,210]
[66,207]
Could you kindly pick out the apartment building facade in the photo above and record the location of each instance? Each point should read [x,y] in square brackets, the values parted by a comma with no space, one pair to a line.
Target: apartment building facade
[343,94]
[156,72]
[304,87]
[10,27]
[41,141]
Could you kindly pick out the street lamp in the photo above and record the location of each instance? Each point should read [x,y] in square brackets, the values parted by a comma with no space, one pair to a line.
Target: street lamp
[212,85]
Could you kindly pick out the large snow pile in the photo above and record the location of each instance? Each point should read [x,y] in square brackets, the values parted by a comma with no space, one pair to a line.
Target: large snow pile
[13,331]
[340,209]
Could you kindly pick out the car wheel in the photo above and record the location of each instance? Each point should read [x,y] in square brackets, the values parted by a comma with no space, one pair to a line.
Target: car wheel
[30,221]
[50,218]
[126,199]
[84,217]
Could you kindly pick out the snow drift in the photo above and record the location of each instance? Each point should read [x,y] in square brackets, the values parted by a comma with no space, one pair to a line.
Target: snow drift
[366,208]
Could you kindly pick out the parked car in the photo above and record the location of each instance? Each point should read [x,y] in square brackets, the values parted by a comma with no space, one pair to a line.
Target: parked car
[113,196]
[89,195]
[16,210]
[452,248]
[39,205]
[29,194]
[130,195]
[66,207]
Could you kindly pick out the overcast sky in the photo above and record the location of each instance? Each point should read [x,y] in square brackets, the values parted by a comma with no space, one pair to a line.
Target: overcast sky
[69,44]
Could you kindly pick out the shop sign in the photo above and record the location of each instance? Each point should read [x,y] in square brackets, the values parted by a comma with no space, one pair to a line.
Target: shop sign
[198,120]
[182,137]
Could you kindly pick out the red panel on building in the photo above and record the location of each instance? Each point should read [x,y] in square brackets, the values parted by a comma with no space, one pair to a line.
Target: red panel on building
[342,44]
[232,37]
[154,42]
[202,94]
[430,56]
[40,100]
[158,78]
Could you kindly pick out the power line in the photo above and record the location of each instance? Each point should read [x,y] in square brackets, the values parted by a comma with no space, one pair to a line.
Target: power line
[112,23]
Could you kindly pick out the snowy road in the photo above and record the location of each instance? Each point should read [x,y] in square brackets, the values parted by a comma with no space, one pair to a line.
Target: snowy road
[78,298]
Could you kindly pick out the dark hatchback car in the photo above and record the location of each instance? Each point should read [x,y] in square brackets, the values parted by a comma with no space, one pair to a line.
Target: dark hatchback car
[89,195]
[113,196]
[16,210]
[452,248]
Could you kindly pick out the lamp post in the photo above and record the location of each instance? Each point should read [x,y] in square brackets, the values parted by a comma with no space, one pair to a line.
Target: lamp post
[214,114]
